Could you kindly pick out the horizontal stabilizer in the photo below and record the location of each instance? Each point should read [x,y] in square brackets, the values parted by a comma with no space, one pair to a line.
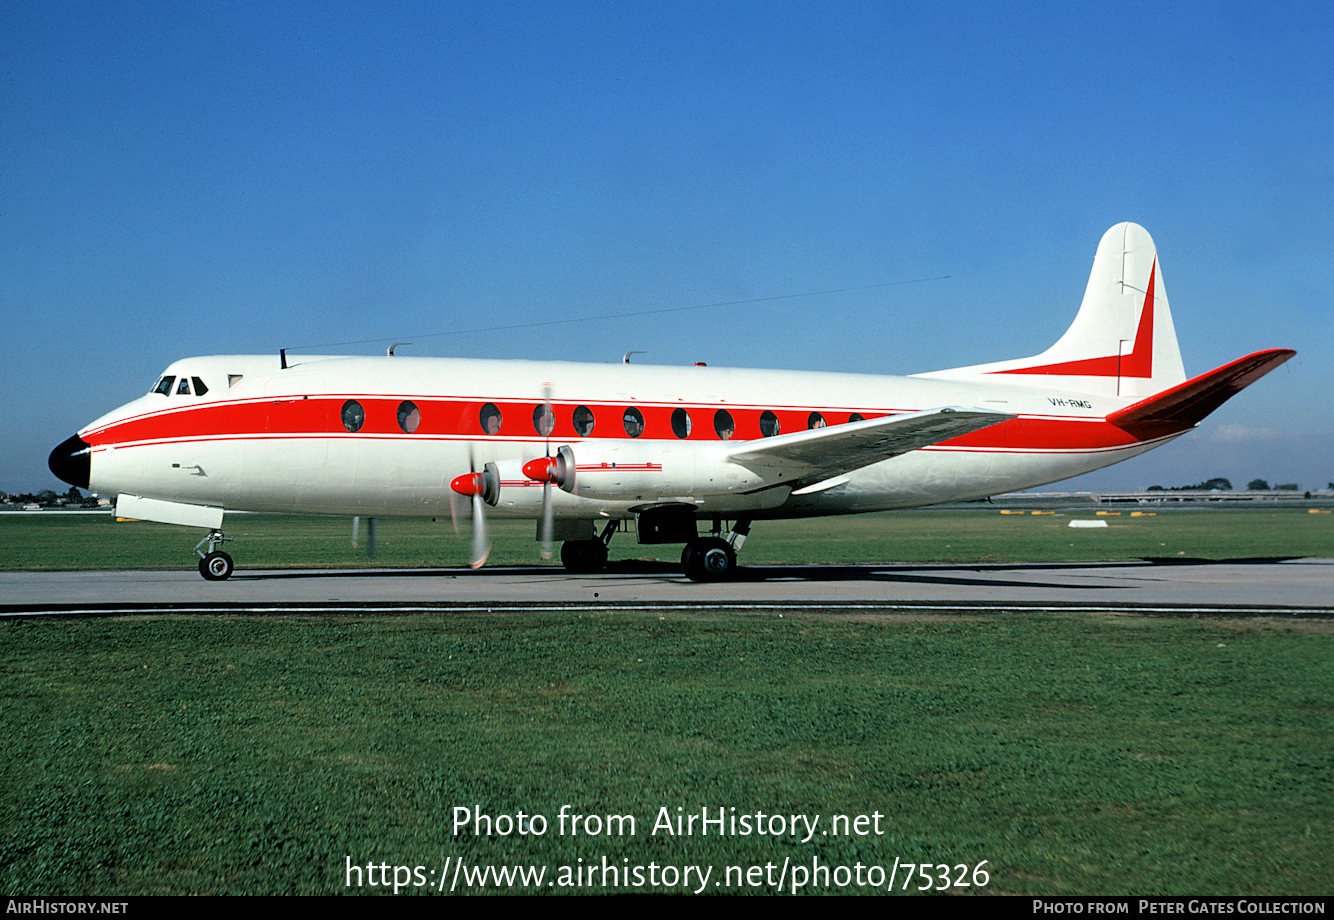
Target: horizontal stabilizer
[1185,405]
[823,453]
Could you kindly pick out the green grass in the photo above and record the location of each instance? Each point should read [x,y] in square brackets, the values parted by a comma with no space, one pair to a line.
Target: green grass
[65,541]
[1076,755]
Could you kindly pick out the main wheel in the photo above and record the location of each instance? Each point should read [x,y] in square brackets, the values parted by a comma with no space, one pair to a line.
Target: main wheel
[710,559]
[216,566]
[583,557]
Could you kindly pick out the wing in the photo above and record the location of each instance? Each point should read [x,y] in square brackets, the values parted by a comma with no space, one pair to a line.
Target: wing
[821,454]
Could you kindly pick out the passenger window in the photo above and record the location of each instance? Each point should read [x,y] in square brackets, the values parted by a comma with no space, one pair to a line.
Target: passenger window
[184,388]
[815,420]
[353,415]
[634,422]
[856,417]
[768,424]
[409,417]
[544,420]
[164,386]
[200,389]
[723,424]
[681,423]
[583,421]
[490,419]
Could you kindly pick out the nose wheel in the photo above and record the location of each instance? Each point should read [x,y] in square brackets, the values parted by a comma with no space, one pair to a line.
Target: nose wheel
[214,565]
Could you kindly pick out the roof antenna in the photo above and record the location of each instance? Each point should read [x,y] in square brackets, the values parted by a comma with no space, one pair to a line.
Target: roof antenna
[625,358]
[395,345]
[282,358]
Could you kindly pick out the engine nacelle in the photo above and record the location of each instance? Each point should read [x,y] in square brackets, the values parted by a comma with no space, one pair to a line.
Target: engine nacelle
[646,471]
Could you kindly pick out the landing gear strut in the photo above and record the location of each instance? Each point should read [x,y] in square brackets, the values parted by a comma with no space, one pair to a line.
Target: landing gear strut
[214,565]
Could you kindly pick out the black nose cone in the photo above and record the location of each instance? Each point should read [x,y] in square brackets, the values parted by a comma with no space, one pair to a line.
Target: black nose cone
[72,461]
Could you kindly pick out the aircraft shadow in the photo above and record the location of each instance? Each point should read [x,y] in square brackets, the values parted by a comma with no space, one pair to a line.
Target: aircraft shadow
[961,575]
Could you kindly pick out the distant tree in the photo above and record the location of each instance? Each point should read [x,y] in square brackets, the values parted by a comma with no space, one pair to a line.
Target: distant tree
[1258,485]
[1287,487]
[1217,484]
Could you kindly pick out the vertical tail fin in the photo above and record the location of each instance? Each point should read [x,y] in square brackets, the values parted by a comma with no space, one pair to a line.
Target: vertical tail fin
[1122,342]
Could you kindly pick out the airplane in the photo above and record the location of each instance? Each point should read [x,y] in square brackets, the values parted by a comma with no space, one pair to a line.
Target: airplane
[585,449]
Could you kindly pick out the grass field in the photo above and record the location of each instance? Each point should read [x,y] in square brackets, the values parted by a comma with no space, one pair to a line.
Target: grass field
[68,541]
[169,754]
[1070,754]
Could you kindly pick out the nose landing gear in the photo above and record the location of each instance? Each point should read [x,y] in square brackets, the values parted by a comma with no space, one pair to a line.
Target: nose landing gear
[214,565]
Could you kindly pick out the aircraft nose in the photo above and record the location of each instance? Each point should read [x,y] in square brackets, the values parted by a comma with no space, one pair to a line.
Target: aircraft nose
[72,461]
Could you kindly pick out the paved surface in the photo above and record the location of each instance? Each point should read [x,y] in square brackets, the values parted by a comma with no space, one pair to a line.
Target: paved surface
[1305,586]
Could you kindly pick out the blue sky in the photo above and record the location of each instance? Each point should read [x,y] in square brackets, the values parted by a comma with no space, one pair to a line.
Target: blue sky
[181,179]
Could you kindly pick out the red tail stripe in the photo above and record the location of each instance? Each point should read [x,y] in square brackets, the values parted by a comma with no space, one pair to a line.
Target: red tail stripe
[1139,363]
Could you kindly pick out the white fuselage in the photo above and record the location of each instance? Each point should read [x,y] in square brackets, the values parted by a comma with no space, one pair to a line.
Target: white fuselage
[261,438]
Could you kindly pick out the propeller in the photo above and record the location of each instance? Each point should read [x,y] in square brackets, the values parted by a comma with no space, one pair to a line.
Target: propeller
[484,489]
[549,470]
[548,424]
[555,470]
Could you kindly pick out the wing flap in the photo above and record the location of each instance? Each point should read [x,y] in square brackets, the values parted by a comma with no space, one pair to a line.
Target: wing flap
[823,453]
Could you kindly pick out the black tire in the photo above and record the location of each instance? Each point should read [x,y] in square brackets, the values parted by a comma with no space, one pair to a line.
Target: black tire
[710,559]
[583,557]
[216,566]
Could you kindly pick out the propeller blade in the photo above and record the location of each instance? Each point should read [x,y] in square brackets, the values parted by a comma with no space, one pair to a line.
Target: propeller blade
[548,416]
[454,510]
[480,547]
[370,536]
[356,526]
[547,523]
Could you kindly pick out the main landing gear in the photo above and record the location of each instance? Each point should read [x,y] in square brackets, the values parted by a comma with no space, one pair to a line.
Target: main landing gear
[584,557]
[711,558]
[708,559]
[214,565]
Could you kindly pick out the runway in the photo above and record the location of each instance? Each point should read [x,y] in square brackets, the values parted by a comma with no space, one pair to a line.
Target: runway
[1299,587]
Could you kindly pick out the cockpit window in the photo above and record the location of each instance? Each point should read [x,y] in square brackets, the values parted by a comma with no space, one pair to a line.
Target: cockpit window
[164,385]
[184,388]
[200,389]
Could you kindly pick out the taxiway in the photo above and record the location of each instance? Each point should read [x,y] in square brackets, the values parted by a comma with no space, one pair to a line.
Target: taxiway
[1299,586]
